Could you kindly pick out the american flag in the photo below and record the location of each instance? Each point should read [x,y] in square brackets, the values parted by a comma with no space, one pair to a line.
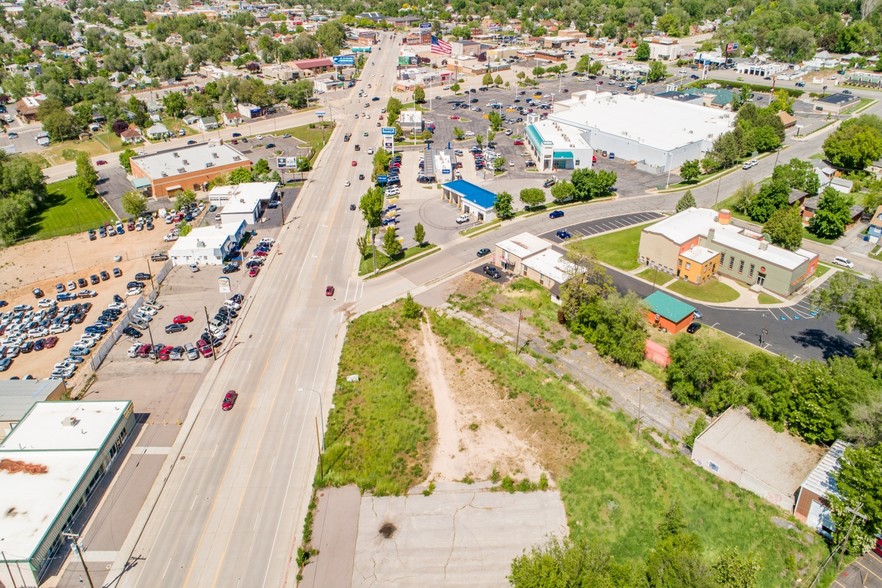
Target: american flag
[441,46]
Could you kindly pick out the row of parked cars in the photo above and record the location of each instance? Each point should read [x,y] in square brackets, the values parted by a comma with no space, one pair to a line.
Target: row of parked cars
[92,334]
[255,261]
[25,330]
[66,293]
[112,230]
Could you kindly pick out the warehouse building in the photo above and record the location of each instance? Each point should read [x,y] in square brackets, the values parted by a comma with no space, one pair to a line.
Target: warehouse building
[49,466]
[698,244]
[658,135]
[188,167]
[18,396]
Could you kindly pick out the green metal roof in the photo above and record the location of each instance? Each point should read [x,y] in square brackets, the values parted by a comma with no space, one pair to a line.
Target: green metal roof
[669,307]
[563,155]
[141,183]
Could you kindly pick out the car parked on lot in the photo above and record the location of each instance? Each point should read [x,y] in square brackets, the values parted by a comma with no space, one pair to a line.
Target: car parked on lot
[693,327]
[492,272]
[175,328]
[563,234]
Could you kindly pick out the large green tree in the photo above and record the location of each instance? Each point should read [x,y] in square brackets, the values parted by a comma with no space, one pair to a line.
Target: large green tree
[657,71]
[856,143]
[22,190]
[563,191]
[859,486]
[642,51]
[134,203]
[87,177]
[590,183]
[503,206]
[532,197]
[832,216]
[125,159]
[391,244]
[784,228]
[690,170]
[686,202]
[175,104]
[371,206]
[331,36]
[570,563]
[772,196]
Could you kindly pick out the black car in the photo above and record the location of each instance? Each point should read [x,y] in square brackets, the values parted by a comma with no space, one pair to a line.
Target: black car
[38,293]
[132,332]
[117,272]
[135,284]
[483,251]
[142,276]
[492,272]
[237,298]
[104,276]
[693,327]
[175,328]
[82,283]
[230,268]
[94,279]
[118,299]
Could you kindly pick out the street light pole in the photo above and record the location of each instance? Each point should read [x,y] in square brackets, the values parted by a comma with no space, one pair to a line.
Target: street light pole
[76,547]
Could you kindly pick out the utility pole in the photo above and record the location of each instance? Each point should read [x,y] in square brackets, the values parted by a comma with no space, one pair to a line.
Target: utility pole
[717,199]
[319,446]
[210,334]
[150,273]
[76,547]
[8,569]
[518,334]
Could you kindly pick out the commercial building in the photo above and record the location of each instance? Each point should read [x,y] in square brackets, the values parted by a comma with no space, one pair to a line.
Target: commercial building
[665,48]
[207,245]
[752,455]
[50,464]
[470,199]
[699,243]
[187,167]
[550,269]
[242,202]
[812,505]
[874,231]
[760,68]
[18,396]
[411,121]
[835,103]
[658,135]
[668,313]
[511,253]
[556,146]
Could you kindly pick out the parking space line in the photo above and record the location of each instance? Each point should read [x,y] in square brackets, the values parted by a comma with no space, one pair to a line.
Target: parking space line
[740,334]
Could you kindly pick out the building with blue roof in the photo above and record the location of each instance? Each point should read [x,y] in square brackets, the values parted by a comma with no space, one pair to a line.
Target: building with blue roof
[471,199]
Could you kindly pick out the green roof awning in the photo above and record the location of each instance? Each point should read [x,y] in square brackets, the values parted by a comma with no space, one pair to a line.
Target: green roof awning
[140,183]
[668,307]
[562,155]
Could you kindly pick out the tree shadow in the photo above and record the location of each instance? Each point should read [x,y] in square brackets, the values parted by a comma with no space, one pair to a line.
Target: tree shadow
[830,345]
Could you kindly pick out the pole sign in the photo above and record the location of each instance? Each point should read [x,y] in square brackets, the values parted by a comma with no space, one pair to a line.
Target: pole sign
[223,285]
[320,113]
[388,131]
[343,60]
[426,26]
[282,161]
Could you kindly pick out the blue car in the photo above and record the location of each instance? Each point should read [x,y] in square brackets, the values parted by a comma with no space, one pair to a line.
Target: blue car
[556,214]
[563,235]
[65,296]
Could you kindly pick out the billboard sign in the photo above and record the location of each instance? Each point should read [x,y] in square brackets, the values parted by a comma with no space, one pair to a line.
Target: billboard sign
[388,131]
[223,285]
[282,161]
[320,113]
[342,60]
[426,26]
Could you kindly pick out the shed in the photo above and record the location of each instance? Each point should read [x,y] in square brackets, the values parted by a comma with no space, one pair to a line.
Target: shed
[668,313]
[812,506]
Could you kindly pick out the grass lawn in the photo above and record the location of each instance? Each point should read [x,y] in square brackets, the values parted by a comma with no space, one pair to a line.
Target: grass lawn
[366,265]
[59,153]
[767,299]
[729,203]
[110,141]
[656,277]
[36,158]
[618,249]
[713,291]
[823,268]
[379,432]
[65,211]
[618,488]
[310,134]
[810,237]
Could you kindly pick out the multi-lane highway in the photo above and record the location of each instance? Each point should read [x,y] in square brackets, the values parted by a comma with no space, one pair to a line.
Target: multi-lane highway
[231,511]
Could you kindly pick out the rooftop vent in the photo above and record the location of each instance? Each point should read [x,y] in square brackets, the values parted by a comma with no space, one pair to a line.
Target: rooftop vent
[236,158]
[165,174]
[70,421]
[176,154]
[181,170]
[215,155]
[185,162]
[209,164]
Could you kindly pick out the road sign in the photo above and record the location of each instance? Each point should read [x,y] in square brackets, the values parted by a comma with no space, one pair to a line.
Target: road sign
[320,113]
[426,26]
[341,60]
[382,179]
[388,131]
[223,285]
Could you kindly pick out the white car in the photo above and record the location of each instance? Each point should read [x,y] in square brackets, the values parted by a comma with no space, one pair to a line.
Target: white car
[470,133]
[463,218]
[147,309]
[194,268]
[232,304]
[370,151]
[38,332]
[83,342]
[133,292]
[117,306]
[46,303]
[133,350]
[843,261]
[56,329]
[750,164]
[348,183]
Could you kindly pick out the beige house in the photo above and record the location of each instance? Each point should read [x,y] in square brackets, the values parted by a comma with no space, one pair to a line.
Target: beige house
[511,253]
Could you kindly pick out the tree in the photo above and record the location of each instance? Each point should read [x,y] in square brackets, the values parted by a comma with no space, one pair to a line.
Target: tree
[587,283]
[563,191]
[487,80]
[22,189]
[503,207]
[687,201]
[419,234]
[590,183]
[569,562]
[583,64]
[455,87]
[364,246]
[391,244]
[642,52]
[857,302]
[410,308]
[479,139]
[676,559]
[87,177]
[241,175]
[832,216]
[419,95]
[175,104]
[458,133]
[532,197]
[185,229]
[495,120]
[856,143]
[595,68]
[657,71]
[615,325]
[784,228]
[371,206]
[331,36]
[690,170]
[57,121]
[497,80]
[134,203]
[799,175]
[499,164]
[185,198]
[859,486]
[771,197]
[125,159]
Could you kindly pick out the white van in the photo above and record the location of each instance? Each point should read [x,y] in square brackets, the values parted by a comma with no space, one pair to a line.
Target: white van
[843,261]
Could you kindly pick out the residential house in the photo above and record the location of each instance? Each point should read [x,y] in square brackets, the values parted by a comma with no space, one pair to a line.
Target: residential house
[511,253]
[232,119]
[158,132]
[810,206]
[207,123]
[874,231]
[131,135]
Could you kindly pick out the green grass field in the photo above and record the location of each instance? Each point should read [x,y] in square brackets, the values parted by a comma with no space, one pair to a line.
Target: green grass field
[764,298]
[619,487]
[315,137]
[656,277]
[66,211]
[366,265]
[379,432]
[712,291]
[618,249]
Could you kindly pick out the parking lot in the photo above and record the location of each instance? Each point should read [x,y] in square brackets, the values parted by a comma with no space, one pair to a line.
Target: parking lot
[603,225]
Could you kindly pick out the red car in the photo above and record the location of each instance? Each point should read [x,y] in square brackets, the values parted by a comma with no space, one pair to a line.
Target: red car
[518,142]
[165,352]
[182,319]
[100,162]
[259,253]
[252,273]
[229,400]
[50,342]
[354,163]
[877,548]
[204,348]
[329,291]
[454,117]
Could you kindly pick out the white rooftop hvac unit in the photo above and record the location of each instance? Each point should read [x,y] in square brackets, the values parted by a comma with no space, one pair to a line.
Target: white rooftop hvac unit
[70,421]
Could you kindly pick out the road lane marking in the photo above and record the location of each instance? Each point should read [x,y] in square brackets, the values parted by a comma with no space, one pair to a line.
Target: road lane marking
[195,498]
[165,571]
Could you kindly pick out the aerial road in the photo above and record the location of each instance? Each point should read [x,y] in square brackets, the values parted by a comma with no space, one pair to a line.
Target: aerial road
[230,512]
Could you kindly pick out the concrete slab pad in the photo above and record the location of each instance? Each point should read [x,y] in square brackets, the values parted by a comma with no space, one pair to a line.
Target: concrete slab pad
[461,535]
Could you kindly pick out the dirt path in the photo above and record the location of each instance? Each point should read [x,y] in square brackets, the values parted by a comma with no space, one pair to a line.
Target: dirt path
[479,429]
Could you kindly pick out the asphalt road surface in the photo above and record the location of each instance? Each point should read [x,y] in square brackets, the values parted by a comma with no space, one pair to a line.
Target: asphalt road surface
[231,511]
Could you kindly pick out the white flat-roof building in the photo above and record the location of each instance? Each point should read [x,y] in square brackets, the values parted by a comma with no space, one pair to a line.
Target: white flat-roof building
[242,202]
[49,466]
[557,146]
[511,253]
[658,134]
[187,167]
[207,245]
[551,269]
